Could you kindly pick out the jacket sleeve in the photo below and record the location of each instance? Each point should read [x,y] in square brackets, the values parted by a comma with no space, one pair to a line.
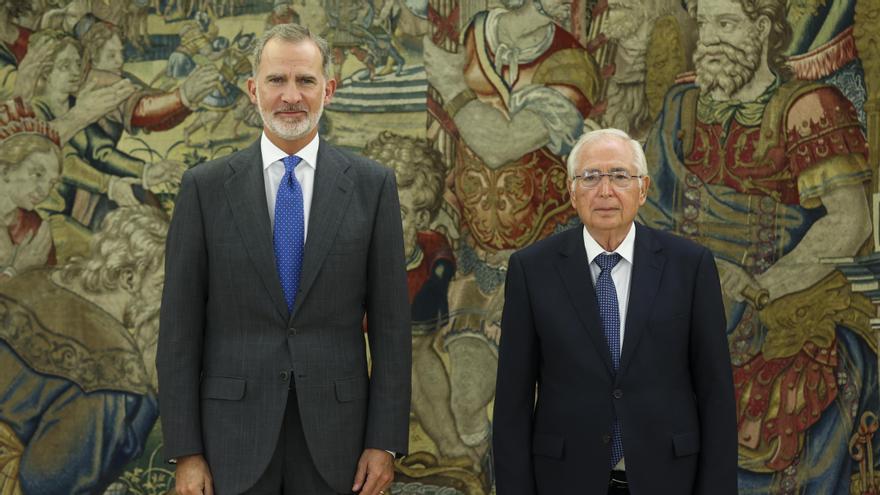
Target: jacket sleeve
[518,358]
[182,325]
[712,376]
[388,313]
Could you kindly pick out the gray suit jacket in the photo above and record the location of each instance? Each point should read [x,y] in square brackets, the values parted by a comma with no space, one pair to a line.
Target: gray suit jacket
[228,349]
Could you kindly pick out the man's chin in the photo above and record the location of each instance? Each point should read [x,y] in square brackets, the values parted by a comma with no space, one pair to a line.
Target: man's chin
[291,134]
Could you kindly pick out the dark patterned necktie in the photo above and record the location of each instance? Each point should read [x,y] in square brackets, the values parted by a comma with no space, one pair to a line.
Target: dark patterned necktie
[289,232]
[609,312]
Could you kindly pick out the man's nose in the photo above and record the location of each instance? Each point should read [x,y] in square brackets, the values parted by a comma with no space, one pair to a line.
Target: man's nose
[291,94]
[708,34]
[604,185]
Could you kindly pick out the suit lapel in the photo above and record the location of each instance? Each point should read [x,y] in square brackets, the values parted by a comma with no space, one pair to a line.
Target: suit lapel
[574,269]
[645,280]
[246,193]
[330,199]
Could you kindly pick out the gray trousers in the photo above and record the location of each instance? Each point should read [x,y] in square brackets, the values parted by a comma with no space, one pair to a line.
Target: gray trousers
[291,470]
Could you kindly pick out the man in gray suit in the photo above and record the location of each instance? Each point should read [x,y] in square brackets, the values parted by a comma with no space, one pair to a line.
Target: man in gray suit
[275,254]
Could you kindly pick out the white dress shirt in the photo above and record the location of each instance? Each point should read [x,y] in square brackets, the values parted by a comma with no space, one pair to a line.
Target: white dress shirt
[273,172]
[620,274]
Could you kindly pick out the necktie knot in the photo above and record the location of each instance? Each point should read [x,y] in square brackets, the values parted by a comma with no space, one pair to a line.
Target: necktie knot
[290,163]
[607,261]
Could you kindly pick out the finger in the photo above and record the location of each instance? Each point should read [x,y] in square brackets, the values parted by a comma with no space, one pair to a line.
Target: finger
[88,86]
[209,487]
[125,89]
[360,475]
[371,486]
[379,474]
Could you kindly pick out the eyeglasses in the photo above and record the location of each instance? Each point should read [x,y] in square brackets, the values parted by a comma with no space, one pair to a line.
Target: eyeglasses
[619,179]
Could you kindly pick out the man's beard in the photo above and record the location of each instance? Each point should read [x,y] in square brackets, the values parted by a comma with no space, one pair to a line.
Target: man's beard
[737,68]
[290,130]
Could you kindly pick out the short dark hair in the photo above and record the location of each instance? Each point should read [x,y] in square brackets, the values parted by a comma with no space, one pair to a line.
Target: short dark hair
[293,33]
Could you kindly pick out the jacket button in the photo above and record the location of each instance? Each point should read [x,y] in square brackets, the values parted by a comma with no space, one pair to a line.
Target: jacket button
[284,376]
[291,331]
[617,394]
[606,438]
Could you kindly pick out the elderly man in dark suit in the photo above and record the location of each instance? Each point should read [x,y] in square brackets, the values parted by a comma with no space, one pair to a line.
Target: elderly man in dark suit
[275,254]
[621,330]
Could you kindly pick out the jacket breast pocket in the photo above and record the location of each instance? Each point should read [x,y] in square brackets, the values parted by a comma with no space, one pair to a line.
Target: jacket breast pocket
[222,387]
[348,245]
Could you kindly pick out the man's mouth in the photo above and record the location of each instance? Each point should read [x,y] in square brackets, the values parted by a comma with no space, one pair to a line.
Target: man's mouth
[290,113]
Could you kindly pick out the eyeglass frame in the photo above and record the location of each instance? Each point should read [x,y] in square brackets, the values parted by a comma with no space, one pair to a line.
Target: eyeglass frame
[611,175]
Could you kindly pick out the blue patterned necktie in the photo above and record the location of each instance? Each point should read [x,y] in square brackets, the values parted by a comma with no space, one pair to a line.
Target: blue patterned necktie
[289,233]
[609,312]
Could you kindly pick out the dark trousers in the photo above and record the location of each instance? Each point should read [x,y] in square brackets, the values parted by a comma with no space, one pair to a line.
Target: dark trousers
[291,470]
[617,484]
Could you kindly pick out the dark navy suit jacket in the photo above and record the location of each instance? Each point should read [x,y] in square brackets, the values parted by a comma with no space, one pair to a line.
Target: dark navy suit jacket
[557,394]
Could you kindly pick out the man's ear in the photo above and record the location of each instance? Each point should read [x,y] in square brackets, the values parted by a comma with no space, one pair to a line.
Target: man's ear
[129,279]
[329,90]
[765,25]
[252,90]
[643,191]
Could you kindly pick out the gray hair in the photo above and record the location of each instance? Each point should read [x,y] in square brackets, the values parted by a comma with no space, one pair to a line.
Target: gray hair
[639,160]
[293,33]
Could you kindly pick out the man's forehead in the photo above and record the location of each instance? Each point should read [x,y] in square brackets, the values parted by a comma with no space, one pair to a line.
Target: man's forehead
[719,7]
[606,149]
[605,165]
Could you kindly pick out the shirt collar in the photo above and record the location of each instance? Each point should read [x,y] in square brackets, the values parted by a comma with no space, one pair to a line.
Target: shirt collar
[625,249]
[272,153]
